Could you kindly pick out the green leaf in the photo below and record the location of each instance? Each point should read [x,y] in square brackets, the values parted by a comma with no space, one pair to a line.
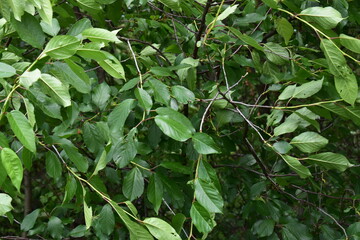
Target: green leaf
[287,93]
[348,112]
[13,166]
[246,39]
[79,231]
[55,227]
[71,74]
[106,220]
[133,185]
[208,196]
[271,3]
[327,17]
[70,189]
[28,78]
[79,160]
[161,229]
[29,220]
[263,228]
[113,67]
[5,204]
[118,116]
[144,99]
[295,165]
[6,70]
[204,144]
[100,35]
[101,164]
[330,160]
[22,129]
[178,221]
[284,28]
[90,5]
[61,47]
[174,124]
[182,94]
[276,53]
[29,30]
[282,147]
[88,215]
[124,152]
[309,142]
[308,89]
[17,7]
[79,27]
[345,81]
[201,218]
[57,89]
[53,165]
[155,192]
[172,4]
[351,43]
[46,11]
[161,91]
[51,29]
[101,95]
[227,12]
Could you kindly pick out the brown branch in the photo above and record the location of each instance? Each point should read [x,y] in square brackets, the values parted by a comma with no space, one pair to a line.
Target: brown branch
[202,28]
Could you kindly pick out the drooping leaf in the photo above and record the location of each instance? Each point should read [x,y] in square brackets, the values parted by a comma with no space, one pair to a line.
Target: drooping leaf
[295,165]
[351,43]
[327,17]
[29,30]
[144,99]
[309,142]
[46,11]
[6,70]
[161,229]
[57,89]
[201,218]
[53,165]
[61,47]
[330,160]
[22,129]
[101,164]
[155,192]
[88,214]
[133,185]
[208,196]
[5,204]
[204,144]
[29,220]
[284,28]
[13,166]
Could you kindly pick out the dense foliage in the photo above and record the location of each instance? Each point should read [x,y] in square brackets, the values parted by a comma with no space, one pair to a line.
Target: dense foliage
[180,119]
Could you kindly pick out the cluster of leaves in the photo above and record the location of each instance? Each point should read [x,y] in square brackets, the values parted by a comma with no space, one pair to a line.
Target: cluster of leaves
[177,119]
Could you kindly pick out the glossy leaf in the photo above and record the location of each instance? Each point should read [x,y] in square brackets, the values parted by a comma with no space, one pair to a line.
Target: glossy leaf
[161,229]
[13,166]
[53,165]
[326,17]
[100,34]
[351,43]
[23,130]
[29,77]
[309,142]
[61,47]
[6,70]
[204,144]
[295,165]
[5,204]
[133,185]
[155,192]
[29,220]
[172,4]
[201,218]
[57,89]
[182,94]
[144,99]
[330,160]
[208,196]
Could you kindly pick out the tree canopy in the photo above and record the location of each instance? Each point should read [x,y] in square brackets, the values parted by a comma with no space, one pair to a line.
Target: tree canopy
[180,119]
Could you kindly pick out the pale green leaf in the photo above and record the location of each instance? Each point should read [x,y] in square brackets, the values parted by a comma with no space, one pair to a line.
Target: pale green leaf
[172,4]
[61,47]
[90,5]
[51,29]
[79,27]
[100,35]
[22,129]
[351,43]
[13,166]
[6,70]
[309,142]
[88,214]
[28,78]
[101,164]
[161,229]
[46,11]
[330,160]
[17,7]
[227,12]
[5,204]
[113,67]
[308,89]
[57,89]
[287,93]
[295,165]
[327,17]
